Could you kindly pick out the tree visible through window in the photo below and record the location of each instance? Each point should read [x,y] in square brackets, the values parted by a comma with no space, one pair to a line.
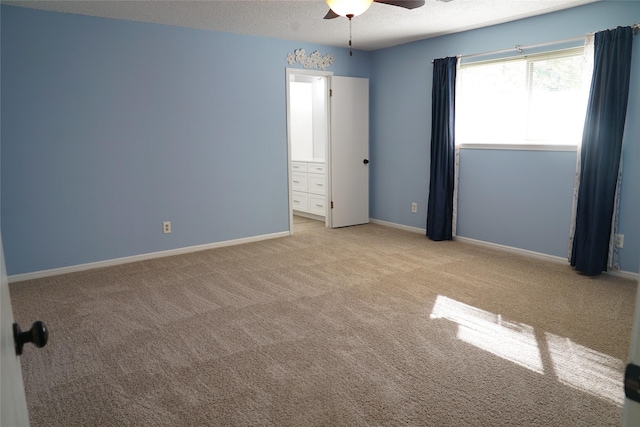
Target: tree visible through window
[537,99]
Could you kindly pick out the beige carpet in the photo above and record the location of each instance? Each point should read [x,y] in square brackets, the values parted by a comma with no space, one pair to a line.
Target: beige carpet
[365,325]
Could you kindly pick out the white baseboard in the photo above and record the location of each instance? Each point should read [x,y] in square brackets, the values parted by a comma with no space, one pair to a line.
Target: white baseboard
[141,257]
[624,274]
[525,252]
[539,255]
[422,231]
[513,250]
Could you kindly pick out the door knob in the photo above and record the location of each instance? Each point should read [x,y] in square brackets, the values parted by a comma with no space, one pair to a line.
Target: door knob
[38,335]
[365,161]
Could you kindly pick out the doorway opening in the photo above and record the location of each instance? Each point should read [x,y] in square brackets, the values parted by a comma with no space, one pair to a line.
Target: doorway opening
[308,135]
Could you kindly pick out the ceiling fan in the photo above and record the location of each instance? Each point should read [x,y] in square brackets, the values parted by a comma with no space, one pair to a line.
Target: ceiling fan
[352,8]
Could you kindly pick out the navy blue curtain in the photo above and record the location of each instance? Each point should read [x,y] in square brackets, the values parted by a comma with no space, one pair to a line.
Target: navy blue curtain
[440,206]
[601,149]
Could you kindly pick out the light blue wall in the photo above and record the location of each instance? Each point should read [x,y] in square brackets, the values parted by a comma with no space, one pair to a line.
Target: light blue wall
[516,198]
[492,206]
[110,127]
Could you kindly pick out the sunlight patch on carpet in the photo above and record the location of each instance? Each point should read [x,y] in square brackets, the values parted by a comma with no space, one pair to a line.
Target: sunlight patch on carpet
[574,365]
[586,370]
[512,341]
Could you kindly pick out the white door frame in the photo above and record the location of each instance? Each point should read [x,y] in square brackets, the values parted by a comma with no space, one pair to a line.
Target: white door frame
[631,412]
[317,73]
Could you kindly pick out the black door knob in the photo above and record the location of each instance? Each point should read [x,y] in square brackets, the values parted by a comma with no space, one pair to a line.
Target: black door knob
[365,161]
[38,335]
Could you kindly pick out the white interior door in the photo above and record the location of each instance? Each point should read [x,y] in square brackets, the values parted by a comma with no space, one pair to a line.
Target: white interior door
[13,404]
[632,409]
[349,151]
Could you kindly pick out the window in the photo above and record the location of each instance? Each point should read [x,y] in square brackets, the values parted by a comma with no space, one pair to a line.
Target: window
[538,99]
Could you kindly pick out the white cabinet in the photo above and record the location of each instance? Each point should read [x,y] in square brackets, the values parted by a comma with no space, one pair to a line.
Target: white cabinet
[299,181]
[309,187]
[317,204]
[298,166]
[316,184]
[300,201]
[320,168]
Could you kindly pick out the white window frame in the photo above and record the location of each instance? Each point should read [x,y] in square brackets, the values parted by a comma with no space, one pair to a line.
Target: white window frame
[526,144]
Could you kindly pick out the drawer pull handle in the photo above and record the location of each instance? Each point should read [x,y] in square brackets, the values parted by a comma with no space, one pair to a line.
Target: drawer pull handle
[319,185]
[320,206]
[296,182]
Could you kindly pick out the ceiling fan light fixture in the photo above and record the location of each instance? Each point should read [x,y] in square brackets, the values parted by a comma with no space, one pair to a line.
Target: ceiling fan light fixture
[349,7]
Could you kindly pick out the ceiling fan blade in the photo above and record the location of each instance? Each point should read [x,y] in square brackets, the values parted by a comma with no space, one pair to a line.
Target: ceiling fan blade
[331,15]
[409,4]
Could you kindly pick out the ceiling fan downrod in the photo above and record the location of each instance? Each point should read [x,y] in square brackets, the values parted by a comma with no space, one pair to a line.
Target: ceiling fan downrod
[350,50]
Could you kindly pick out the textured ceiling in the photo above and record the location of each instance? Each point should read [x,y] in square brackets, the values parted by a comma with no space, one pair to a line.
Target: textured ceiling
[381,26]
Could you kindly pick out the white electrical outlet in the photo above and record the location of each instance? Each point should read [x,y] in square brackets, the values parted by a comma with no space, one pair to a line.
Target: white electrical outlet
[166,227]
[619,241]
[414,207]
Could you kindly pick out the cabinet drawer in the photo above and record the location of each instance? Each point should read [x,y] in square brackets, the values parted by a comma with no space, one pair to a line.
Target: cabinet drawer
[317,184]
[317,204]
[300,201]
[299,181]
[317,168]
[298,167]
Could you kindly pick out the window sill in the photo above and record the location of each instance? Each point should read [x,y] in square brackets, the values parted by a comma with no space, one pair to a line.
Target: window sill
[524,147]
